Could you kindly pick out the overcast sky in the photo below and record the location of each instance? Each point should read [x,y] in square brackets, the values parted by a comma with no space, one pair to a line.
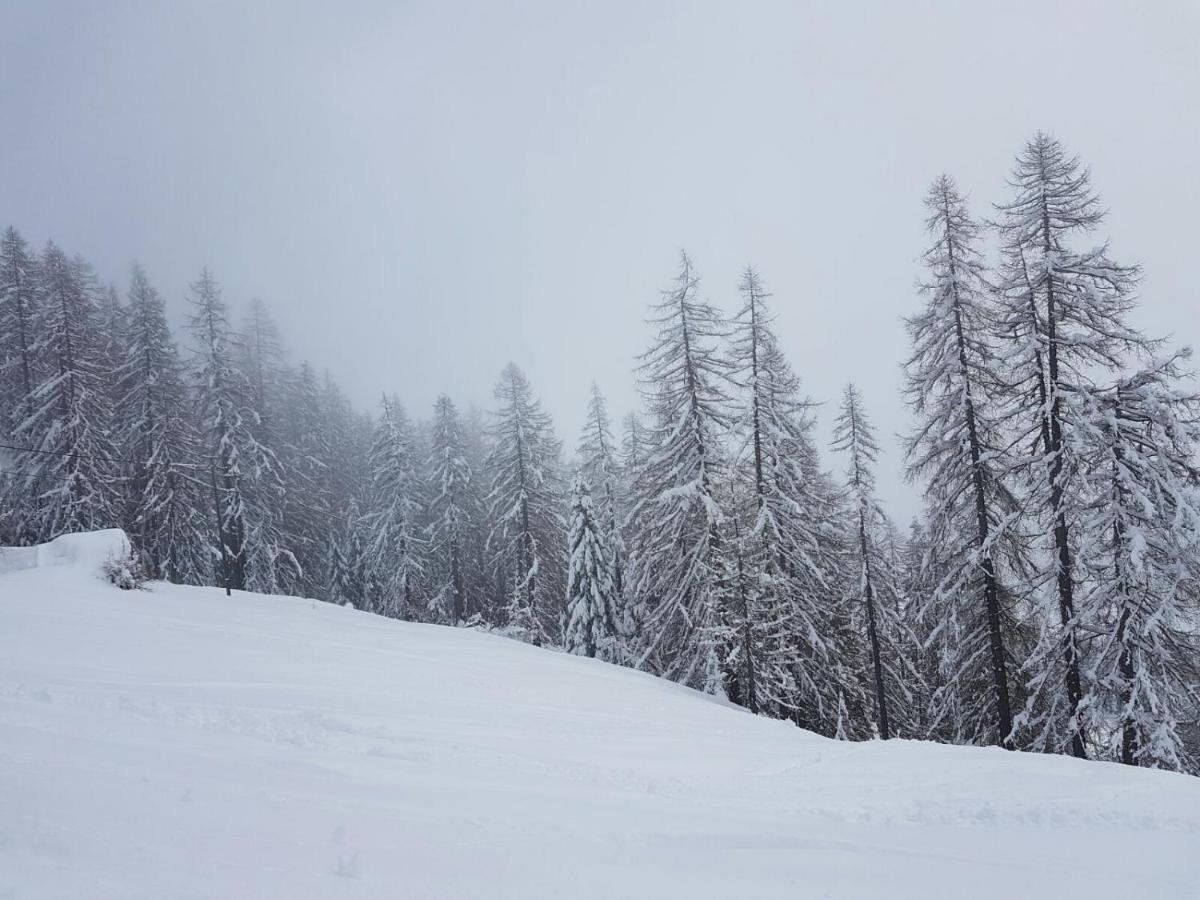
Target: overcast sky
[423,191]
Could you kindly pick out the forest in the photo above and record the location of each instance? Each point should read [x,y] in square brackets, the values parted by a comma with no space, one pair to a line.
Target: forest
[1047,599]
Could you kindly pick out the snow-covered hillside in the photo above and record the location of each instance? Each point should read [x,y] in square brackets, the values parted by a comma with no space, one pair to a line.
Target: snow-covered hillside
[177,743]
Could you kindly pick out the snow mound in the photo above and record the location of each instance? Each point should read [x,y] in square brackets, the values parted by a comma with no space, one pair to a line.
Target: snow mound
[89,550]
[177,743]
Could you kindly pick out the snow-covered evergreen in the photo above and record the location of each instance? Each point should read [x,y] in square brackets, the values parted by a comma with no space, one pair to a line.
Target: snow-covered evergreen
[676,552]
[1063,313]
[164,490]
[793,628]
[1142,579]
[874,584]
[453,517]
[600,467]
[590,616]
[68,462]
[396,550]
[957,449]
[526,502]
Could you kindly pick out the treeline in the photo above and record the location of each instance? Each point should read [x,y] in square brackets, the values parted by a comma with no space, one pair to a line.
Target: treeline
[1048,599]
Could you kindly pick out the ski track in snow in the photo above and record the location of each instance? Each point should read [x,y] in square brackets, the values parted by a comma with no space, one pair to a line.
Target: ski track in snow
[175,743]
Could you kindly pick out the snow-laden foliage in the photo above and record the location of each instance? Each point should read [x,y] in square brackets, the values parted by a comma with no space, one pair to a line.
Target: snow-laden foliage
[244,473]
[874,587]
[590,616]
[396,552]
[164,491]
[1142,570]
[597,454]
[1063,313]
[68,462]
[526,504]
[957,449]
[454,511]
[790,633]
[677,566]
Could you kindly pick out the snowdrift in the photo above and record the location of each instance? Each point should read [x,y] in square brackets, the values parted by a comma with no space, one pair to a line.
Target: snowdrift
[175,743]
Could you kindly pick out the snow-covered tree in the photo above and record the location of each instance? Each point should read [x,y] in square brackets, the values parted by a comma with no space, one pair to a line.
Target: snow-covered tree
[349,576]
[1064,314]
[158,440]
[396,548]
[18,321]
[590,613]
[453,512]
[600,467]
[261,358]
[70,466]
[676,553]
[1142,590]
[956,448]
[18,376]
[309,501]
[526,499]
[244,471]
[873,586]
[788,554]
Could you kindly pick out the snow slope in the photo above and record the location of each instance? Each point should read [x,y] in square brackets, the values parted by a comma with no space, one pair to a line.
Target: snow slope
[178,743]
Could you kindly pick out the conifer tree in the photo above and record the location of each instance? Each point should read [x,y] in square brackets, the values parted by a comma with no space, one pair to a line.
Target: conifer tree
[309,501]
[70,467]
[874,586]
[787,561]
[677,564]
[599,465]
[957,449]
[453,511]
[350,577]
[18,319]
[19,375]
[590,620]
[1064,314]
[1143,569]
[396,548]
[158,442]
[244,472]
[526,498]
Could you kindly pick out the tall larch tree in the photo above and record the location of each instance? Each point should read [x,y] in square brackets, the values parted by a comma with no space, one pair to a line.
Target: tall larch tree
[956,449]
[872,584]
[226,421]
[528,533]
[18,375]
[158,441]
[453,513]
[396,547]
[679,582]
[1143,570]
[1064,316]
[600,467]
[790,542]
[18,303]
[71,465]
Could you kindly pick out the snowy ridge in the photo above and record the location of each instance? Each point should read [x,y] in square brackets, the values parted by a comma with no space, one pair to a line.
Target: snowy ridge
[175,743]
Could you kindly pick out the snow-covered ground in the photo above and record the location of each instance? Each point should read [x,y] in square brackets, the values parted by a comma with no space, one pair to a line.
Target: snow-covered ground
[177,743]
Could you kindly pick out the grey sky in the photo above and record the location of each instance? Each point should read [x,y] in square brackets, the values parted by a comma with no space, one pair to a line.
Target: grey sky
[423,191]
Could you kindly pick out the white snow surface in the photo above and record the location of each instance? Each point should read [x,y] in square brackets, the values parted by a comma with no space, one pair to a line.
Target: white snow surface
[175,743]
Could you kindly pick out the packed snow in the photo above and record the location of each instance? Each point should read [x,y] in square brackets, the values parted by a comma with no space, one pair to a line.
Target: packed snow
[178,743]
